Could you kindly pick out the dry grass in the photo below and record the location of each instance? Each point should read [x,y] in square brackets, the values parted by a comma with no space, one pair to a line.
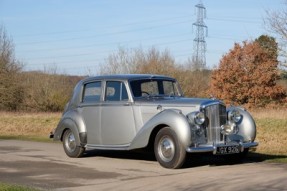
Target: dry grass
[269,113]
[27,124]
[271,131]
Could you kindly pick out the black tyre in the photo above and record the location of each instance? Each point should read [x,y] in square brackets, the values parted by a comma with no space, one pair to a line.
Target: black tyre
[169,152]
[70,146]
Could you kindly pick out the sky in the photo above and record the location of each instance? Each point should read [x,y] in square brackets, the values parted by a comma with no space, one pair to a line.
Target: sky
[76,37]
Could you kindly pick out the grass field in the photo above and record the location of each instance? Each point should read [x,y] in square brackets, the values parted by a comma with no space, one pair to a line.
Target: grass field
[271,129]
[28,126]
[11,187]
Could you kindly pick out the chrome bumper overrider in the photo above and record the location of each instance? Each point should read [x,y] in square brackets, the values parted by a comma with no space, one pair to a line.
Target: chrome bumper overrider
[213,148]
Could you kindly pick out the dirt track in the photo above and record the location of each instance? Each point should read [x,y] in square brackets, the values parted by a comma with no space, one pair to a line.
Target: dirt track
[45,166]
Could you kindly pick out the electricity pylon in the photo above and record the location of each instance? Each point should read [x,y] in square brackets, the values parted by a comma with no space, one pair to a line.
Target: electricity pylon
[199,44]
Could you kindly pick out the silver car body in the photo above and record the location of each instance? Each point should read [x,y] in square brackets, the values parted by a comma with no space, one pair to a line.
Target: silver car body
[133,122]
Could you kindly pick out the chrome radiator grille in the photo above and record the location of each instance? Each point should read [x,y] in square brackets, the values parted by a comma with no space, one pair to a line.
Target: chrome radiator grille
[216,116]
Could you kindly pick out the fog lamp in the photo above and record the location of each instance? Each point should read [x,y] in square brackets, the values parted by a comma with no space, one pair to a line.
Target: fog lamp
[228,129]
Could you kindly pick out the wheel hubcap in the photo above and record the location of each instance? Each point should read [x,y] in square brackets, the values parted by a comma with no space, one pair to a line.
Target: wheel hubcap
[166,149]
[71,142]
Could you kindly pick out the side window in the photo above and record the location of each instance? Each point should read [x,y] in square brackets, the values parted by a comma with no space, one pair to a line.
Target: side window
[150,88]
[116,91]
[92,92]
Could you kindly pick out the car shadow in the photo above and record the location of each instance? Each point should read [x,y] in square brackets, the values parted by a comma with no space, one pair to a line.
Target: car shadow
[192,160]
[197,160]
[133,155]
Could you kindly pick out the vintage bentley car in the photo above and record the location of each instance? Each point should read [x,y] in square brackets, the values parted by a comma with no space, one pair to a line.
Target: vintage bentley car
[126,112]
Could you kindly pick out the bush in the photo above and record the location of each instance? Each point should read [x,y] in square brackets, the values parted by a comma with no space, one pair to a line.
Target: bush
[247,75]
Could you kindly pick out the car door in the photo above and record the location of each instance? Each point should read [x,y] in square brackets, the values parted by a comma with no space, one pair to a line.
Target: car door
[117,119]
[91,111]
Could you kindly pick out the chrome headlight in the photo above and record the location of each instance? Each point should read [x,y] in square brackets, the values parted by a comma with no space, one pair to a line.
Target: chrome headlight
[234,115]
[197,118]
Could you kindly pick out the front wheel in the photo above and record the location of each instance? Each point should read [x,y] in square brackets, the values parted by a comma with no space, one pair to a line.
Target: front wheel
[70,146]
[169,152]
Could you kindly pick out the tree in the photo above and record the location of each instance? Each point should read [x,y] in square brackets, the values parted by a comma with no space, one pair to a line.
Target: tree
[11,91]
[247,75]
[269,44]
[194,65]
[121,62]
[137,60]
[155,62]
[47,90]
[276,23]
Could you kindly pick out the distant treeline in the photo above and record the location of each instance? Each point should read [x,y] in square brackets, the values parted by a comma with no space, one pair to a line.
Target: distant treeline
[37,91]
[45,91]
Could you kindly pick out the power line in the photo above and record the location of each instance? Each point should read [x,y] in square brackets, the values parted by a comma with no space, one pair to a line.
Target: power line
[104,34]
[105,44]
[103,27]
[236,20]
[127,31]
[106,51]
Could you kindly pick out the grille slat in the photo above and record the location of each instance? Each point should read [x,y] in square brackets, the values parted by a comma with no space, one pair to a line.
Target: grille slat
[216,115]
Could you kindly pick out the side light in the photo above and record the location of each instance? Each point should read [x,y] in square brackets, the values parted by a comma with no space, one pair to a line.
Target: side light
[234,115]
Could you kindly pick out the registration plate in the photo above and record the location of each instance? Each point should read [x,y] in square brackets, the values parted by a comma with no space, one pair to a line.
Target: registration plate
[222,150]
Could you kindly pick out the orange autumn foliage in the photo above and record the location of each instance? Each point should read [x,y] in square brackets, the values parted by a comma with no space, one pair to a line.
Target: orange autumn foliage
[247,75]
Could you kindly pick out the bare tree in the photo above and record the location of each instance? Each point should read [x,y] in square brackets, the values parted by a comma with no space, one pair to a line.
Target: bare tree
[11,91]
[138,60]
[47,90]
[154,61]
[276,22]
[121,62]
[193,65]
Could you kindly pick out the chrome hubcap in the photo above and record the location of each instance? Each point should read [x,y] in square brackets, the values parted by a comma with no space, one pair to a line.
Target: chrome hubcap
[71,142]
[166,149]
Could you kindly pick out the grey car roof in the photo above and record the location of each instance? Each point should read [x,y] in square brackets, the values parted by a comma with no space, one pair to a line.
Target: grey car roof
[127,77]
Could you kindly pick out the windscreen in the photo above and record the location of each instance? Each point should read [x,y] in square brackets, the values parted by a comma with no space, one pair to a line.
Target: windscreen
[154,87]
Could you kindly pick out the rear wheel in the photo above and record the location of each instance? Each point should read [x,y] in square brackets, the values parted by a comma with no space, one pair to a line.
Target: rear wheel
[70,146]
[169,152]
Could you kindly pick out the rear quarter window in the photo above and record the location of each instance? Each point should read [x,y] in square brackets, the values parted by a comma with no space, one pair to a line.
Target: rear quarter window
[92,92]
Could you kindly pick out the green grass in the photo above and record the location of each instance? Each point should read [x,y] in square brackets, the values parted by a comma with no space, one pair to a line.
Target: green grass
[27,138]
[13,187]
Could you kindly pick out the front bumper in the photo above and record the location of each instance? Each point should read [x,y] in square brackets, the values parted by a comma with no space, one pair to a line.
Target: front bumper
[213,148]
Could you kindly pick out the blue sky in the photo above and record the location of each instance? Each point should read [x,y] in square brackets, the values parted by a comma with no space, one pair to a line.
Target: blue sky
[77,36]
